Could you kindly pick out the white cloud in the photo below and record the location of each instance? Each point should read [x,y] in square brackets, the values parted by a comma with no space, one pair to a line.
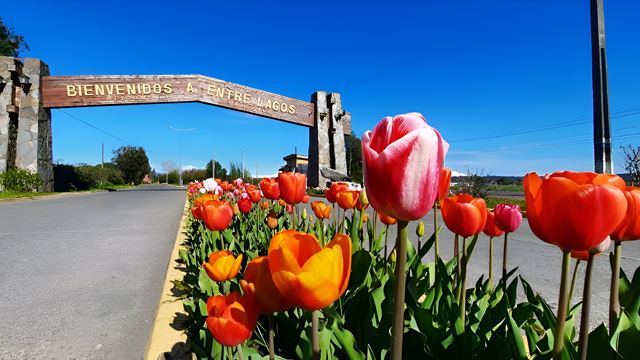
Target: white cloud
[188,167]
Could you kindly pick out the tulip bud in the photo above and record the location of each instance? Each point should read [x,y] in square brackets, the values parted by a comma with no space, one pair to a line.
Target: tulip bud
[236,209]
[272,220]
[392,256]
[420,229]
[304,214]
[364,201]
[365,218]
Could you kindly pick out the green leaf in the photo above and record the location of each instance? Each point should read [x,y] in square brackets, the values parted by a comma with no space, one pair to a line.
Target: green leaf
[599,346]
[519,348]
[347,343]
[626,339]
[360,264]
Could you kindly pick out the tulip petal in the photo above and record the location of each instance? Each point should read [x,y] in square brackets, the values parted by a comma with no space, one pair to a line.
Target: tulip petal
[344,243]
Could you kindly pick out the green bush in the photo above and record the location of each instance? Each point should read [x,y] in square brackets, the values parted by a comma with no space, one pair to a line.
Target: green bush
[85,177]
[19,180]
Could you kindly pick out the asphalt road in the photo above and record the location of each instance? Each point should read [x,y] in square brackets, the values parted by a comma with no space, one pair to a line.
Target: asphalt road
[80,276]
[538,262]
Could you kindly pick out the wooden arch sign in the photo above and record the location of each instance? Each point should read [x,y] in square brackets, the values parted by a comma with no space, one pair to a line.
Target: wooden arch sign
[29,92]
[76,91]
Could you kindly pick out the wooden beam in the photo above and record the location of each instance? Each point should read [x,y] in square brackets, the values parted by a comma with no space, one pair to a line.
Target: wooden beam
[103,90]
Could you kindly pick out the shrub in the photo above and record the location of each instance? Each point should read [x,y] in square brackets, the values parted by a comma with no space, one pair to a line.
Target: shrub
[84,177]
[19,180]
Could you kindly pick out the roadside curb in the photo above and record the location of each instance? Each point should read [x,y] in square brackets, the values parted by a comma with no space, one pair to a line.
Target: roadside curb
[163,338]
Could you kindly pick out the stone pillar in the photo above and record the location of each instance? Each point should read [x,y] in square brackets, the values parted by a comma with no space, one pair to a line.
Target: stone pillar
[33,147]
[336,132]
[6,97]
[319,147]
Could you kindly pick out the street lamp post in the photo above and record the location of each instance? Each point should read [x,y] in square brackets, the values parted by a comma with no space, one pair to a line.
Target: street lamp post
[180,131]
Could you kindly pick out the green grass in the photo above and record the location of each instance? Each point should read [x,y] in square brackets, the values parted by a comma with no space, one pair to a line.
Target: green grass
[511,187]
[492,201]
[13,194]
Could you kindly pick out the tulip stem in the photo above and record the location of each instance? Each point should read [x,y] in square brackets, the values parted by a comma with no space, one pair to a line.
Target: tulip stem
[561,318]
[505,252]
[272,336]
[435,229]
[315,335]
[614,302]
[397,330]
[386,232]
[491,263]
[584,319]
[456,251]
[463,279]
[573,283]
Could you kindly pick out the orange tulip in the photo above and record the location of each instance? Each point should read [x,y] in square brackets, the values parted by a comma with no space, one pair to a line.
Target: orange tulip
[196,210]
[255,195]
[272,220]
[293,187]
[387,220]
[259,283]
[264,205]
[365,217]
[464,215]
[444,184]
[347,199]
[270,188]
[222,266]
[217,215]
[629,228]
[232,318]
[306,274]
[574,210]
[335,188]
[282,202]
[306,199]
[322,210]
[490,228]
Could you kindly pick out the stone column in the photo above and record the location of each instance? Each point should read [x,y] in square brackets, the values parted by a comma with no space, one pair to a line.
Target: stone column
[6,95]
[338,149]
[33,148]
[319,147]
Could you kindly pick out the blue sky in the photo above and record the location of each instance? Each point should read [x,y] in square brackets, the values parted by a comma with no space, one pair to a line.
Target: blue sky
[476,70]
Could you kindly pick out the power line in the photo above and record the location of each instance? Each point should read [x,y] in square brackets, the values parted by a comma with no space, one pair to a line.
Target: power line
[586,120]
[95,127]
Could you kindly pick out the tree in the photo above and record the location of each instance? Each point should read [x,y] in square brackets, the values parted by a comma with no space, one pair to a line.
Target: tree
[354,158]
[133,162]
[632,162]
[236,171]
[221,172]
[10,43]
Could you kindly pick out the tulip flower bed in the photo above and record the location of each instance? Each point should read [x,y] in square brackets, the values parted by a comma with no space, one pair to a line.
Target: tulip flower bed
[266,278]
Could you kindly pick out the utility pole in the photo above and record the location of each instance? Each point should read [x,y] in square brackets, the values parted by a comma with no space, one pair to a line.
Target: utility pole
[601,123]
[180,131]
[102,163]
[213,166]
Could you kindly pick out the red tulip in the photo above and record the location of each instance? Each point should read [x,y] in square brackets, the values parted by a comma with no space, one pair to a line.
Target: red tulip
[333,191]
[293,187]
[445,184]
[245,205]
[387,220]
[217,215]
[574,210]
[306,199]
[270,188]
[255,195]
[629,228]
[403,159]
[258,282]
[464,215]
[508,217]
[584,255]
[490,228]
[232,318]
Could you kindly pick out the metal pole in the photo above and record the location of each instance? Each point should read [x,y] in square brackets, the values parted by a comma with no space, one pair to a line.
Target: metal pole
[102,163]
[601,123]
[180,131]
[213,166]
